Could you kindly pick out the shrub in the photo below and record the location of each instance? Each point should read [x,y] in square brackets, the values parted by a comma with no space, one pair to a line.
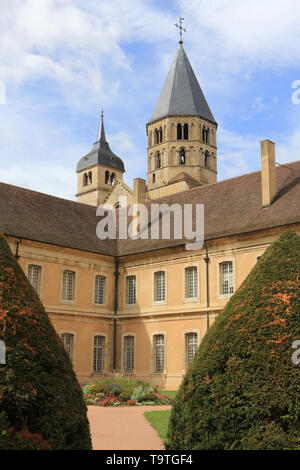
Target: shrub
[41,402]
[138,393]
[242,388]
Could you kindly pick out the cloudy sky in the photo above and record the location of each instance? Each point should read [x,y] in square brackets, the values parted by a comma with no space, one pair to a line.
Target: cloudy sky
[61,61]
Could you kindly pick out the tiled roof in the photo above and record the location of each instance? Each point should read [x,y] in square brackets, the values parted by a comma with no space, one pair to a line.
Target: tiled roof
[232,207]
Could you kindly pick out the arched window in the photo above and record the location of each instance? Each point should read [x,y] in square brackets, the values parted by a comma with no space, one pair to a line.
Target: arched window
[150,139]
[153,178]
[107,177]
[179,132]
[156,136]
[206,159]
[185,132]
[89,178]
[205,133]
[112,178]
[85,179]
[157,160]
[160,135]
[182,157]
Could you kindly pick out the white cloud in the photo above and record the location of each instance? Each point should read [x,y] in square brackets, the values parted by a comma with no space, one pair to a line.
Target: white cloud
[246,34]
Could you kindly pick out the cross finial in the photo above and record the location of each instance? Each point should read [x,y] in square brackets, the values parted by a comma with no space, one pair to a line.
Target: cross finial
[181,28]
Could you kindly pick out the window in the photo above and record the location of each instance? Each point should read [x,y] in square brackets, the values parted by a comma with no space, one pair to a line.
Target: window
[107,177]
[191,283]
[157,160]
[112,179]
[85,179]
[206,159]
[205,134]
[179,132]
[99,290]
[68,341]
[182,157]
[98,358]
[34,276]
[159,353]
[191,346]
[159,287]
[153,178]
[131,290]
[68,285]
[156,136]
[160,135]
[128,353]
[89,178]
[226,278]
[185,131]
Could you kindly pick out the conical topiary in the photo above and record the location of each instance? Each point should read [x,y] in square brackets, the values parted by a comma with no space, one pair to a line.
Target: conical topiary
[242,390]
[41,402]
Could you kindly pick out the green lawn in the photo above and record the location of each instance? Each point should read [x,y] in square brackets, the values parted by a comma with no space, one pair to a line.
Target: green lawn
[169,393]
[159,420]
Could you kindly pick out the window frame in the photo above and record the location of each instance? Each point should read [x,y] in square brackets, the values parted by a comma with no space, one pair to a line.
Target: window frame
[154,296]
[186,280]
[71,333]
[63,300]
[154,349]
[220,278]
[99,275]
[39,289]
[99,335]
[127,278]
[133,347]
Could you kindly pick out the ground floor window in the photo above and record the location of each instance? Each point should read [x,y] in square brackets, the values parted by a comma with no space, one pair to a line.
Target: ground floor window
[128,353]
[159,353]
[98,360]
[191,346]
[68,342]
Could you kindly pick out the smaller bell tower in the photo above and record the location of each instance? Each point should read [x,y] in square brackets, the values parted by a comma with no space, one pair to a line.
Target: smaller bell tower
[98,171]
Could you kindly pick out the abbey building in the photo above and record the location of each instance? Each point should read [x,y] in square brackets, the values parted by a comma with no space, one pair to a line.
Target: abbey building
[142,307]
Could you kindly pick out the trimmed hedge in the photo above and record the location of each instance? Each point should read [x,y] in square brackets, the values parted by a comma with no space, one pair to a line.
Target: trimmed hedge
[242,390]
[41,402]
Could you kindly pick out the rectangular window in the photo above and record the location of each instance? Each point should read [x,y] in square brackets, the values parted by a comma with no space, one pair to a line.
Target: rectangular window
[68,285]
[191,283]
[68,340]
[159,287]
[98,358]
[128,353]
[226,278]
[99,290]
[191,345]
[159,353]
[131,290]
[34,276]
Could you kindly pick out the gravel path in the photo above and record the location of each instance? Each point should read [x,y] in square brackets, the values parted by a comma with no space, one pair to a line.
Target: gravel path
[123,428]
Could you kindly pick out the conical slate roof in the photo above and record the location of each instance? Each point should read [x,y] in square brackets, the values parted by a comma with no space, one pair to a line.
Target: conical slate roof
[101,153]
[181,94]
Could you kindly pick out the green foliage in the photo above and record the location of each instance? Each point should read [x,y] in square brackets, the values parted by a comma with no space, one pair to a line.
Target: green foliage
[242,389]
[41,402]
[138,393]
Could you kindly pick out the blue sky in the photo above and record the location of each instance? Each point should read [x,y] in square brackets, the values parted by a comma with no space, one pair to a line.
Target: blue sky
[63,60]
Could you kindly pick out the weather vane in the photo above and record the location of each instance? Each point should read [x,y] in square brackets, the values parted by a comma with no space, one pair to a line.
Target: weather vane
[181,28]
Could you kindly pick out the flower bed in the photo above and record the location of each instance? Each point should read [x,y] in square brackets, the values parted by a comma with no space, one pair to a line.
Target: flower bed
[123,392]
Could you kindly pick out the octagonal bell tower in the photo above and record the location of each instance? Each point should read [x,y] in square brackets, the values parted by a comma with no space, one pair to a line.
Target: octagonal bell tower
[181,132]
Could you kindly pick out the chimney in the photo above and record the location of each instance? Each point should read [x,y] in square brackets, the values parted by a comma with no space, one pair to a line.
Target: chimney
[268,172]
[139,191]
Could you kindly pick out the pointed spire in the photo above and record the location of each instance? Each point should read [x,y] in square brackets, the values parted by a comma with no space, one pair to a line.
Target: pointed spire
[181,94]
[101,131]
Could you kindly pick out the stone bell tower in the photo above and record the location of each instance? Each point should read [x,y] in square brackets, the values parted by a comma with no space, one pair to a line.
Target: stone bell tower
[98,171]
[181,133]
